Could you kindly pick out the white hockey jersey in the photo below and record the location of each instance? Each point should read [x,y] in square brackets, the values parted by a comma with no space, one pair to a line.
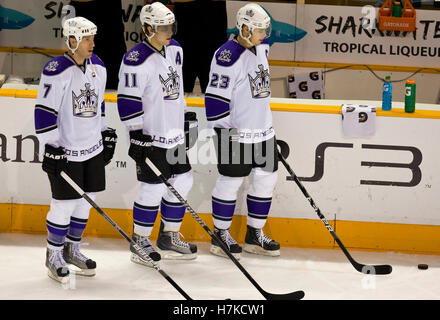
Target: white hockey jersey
[150,93]
[238,93]
[70,107]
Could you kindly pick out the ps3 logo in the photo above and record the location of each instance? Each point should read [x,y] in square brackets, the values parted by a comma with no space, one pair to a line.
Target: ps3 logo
[413,166]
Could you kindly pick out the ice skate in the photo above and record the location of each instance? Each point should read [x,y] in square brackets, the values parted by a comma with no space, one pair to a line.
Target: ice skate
[83,266]
[170,246]
[229,242]
[147,247]
[257,242]
[57,268]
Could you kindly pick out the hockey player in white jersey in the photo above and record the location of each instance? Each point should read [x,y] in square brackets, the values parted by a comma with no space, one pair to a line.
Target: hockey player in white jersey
[237,107]
[73,136]
[152,106]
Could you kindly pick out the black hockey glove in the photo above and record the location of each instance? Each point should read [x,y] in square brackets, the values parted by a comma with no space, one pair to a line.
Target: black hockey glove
[54,160]
[191,129]
[140,145]
[109,139]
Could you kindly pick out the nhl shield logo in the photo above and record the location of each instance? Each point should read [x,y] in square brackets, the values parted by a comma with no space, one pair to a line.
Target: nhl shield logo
[260,84]
[86,103]
[170,85]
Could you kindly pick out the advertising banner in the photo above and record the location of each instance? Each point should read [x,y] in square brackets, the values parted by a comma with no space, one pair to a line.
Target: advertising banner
[345,34]
[38,23]
[392,176]
[312,33]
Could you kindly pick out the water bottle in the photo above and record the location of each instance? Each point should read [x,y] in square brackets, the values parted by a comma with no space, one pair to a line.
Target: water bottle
[397,9]
[410,95]
[387,94]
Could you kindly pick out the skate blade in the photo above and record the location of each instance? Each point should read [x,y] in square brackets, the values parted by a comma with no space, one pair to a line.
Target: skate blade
[252,248]
[218,251]
[62,280]
[136,259]
[81,272]
[174,255]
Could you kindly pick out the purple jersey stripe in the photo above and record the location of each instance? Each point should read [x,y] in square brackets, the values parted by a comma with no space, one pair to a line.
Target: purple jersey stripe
[128,107]
[215,107]
[44,119]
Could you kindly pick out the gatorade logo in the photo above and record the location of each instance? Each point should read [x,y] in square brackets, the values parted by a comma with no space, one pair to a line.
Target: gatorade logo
[303,86]
[363,117]
[291,78]
[292,94]
[316,94]
[407,91]
[314,75]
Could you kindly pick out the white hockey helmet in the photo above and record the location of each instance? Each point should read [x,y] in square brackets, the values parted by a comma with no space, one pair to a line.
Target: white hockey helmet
[254,17]
[78,28]
[156,15]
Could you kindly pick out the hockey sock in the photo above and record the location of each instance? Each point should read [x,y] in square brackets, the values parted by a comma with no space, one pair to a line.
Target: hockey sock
[172,210]
[143,219]
[258,210]
[172,215]
[146,207]
[57,222]
[76,229]
[259,196]
[222,212]
[79,218]
[224,198]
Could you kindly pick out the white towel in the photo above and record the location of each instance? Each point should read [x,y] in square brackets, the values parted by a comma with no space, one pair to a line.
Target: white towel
[306,85]
[358,120]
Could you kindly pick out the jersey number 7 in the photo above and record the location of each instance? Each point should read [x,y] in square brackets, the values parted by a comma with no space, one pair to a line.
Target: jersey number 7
[47,87]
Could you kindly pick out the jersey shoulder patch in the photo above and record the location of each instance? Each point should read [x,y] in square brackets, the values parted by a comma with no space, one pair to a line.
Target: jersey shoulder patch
[96,60]
[57,65]
[229,53]
[138,54]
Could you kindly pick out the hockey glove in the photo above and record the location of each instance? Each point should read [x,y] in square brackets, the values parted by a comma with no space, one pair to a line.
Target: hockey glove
[54,160]
[109,139]
[191,129]
[140,145]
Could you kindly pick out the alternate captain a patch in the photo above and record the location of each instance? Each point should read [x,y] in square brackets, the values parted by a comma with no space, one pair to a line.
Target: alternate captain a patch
[85,104]
[260,84]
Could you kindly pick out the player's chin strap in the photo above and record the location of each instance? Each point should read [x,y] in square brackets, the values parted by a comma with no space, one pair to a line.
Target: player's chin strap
[70,48]
[146,35]
[248,41]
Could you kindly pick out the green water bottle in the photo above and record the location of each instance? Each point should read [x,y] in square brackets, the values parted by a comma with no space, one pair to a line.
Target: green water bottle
[397,9]
[410,95]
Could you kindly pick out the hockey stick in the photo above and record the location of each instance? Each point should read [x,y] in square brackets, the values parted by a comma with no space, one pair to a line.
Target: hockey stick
[297,295]
[138,249]
[367,269]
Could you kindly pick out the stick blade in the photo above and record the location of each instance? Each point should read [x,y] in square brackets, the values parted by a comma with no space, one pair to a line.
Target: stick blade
[297,295]
[376,269]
